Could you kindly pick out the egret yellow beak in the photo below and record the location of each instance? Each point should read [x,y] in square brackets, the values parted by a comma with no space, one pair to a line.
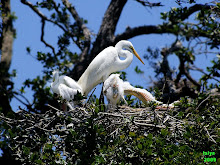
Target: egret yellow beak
[135,53]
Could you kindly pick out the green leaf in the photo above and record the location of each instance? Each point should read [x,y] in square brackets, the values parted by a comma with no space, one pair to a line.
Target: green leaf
[132,134]
[140,146]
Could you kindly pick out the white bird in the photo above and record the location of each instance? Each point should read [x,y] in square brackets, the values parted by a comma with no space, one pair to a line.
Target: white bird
[65,87]
[105,63]
[114,89]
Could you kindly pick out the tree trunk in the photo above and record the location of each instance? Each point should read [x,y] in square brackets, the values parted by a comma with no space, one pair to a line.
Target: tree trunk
[6,44]
[105,36]
[7,35]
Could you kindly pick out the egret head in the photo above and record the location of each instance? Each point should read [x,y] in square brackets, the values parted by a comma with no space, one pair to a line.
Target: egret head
[55,75]
[135,53]
[127,45]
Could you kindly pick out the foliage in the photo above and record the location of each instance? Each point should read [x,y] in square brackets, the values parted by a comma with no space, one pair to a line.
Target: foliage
[76,137]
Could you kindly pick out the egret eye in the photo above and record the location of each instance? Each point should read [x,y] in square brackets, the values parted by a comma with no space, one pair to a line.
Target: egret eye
[131,47]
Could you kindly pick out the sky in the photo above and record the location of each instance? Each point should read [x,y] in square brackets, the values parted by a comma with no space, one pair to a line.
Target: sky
[28,30]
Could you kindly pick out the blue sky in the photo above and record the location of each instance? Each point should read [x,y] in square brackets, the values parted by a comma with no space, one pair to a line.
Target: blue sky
[28,29]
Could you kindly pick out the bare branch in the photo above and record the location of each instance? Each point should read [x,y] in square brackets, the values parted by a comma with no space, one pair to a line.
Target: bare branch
[210,137]
[105,36]
[42,15]
[193,67]
[149,4]
[42,37]
[132,32]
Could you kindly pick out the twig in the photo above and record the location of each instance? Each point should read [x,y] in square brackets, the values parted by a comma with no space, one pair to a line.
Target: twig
[41,14]
[151,125]
[42,36]
[111,114]
[53,107]
[209,134]
[203,101]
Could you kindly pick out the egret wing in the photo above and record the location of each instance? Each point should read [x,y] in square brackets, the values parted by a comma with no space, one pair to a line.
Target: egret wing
[71,83]
[66,92]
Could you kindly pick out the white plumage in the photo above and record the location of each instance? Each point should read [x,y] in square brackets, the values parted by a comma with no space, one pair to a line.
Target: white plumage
[105,63]
[114,89]
[64,86]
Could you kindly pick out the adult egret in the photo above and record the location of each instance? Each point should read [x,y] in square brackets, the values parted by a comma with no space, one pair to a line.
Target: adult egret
[65,87]
[114,89]
[105,63]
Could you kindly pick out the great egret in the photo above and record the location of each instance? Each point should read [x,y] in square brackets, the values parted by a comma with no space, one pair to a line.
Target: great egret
[114,89]
[65,87]
[105,63]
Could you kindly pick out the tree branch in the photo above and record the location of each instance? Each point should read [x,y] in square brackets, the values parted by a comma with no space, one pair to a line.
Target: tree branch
[75,15]
[194,9]
[42,37]
[149,4]
[147,29]
[82,26]
[41,15]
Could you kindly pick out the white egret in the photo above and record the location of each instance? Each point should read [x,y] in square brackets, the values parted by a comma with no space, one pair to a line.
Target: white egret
[114,89]
[105,63]
[65,87]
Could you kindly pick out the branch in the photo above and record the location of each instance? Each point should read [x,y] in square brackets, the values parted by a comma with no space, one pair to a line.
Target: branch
[193,67]
[82,26]
[132,32]
[187,74]
[42,37]
[211,138]
[42,15]
[149,4]
[194,9]
[159,29]
[75,15]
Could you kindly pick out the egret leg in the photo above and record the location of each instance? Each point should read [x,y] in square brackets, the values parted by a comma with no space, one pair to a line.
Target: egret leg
[69,105]
[101,97]
[64,107]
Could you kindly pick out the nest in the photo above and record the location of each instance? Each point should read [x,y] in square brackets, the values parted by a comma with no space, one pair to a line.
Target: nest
[115,119]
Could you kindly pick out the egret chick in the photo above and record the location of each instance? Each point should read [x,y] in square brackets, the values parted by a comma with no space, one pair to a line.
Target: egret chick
[113,89]
[65,87]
